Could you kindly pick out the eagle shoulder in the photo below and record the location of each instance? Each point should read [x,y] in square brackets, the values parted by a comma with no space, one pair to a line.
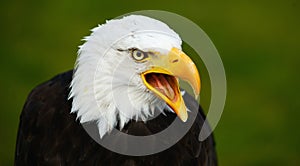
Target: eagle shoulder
[49,135]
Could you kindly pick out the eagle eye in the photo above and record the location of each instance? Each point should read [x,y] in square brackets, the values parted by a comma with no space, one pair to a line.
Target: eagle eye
[138,55]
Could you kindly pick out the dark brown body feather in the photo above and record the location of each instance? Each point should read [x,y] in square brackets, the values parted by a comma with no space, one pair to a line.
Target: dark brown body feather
[49,135]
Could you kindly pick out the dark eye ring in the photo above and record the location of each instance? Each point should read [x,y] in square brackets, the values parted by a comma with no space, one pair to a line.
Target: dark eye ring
[138,55]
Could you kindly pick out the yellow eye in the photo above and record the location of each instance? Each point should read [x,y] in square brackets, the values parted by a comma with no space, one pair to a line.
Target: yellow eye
[138,55]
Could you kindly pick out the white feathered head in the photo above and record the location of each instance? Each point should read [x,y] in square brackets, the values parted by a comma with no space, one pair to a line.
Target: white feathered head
[126,69]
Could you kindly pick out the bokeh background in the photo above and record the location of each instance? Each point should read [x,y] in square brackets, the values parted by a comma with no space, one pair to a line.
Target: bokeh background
[258,42]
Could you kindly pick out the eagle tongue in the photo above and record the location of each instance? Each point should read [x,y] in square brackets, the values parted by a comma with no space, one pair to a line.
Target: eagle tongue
[163,85]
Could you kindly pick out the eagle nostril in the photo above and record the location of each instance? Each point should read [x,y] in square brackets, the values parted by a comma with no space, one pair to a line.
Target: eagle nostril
[175,60]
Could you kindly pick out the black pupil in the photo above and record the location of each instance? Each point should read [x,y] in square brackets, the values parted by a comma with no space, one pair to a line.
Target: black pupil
[138,54]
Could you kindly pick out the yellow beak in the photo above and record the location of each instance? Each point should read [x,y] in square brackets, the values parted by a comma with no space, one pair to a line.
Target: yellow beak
[162,79]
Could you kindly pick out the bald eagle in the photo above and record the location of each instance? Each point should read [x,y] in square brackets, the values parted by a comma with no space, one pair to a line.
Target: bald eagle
[126,71]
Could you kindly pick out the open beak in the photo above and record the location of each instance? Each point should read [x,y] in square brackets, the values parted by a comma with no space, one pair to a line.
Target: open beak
[162,79]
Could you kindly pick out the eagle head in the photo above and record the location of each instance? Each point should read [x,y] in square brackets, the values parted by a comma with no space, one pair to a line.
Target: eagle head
[128,68]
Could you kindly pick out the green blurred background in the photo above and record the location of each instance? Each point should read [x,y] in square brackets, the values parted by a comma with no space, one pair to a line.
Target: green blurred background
[258,42]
